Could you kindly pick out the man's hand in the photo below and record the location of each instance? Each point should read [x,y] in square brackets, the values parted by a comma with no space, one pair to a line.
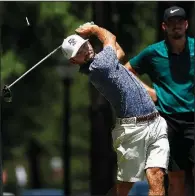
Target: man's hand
[86,29]
[87,24]
[105,36]
[152,93]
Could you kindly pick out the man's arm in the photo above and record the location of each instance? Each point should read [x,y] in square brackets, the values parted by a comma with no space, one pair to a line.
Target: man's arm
[150,90]
[121,54]
[105,36]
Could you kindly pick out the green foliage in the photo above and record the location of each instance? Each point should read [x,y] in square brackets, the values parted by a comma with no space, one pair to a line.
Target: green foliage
[145,23]
[10,64]
[37,109]
[145,31]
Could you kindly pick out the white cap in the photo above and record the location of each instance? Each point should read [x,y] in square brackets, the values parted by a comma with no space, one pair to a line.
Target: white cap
[71,45]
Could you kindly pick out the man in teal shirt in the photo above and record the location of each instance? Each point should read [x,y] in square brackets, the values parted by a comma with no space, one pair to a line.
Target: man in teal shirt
[170,65]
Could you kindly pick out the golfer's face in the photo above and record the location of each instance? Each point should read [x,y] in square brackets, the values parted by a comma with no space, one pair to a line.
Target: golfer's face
[176,27]
[84,54]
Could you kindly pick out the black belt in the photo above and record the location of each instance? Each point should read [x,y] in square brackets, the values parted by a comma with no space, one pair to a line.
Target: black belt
[137,119]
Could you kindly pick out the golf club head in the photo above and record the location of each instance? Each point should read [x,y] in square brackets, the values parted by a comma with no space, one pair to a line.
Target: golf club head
[6,94]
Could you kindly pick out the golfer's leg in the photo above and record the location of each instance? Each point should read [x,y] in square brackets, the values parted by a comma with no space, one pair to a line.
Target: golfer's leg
[157,158]
[129,144]
[156,164]
[155,169]
[155,177]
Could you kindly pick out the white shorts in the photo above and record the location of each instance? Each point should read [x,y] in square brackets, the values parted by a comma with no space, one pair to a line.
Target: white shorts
[140,146]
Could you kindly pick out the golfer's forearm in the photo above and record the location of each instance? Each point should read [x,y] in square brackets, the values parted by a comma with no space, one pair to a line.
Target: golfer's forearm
[105,36]
[121,54]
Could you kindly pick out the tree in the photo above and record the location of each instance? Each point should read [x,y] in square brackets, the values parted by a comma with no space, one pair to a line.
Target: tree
[35,115]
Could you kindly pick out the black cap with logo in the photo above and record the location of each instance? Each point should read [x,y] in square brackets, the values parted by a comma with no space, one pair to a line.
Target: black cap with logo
[174,11]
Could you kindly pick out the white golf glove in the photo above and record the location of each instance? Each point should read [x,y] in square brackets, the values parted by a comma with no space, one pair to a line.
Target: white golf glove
[87,24]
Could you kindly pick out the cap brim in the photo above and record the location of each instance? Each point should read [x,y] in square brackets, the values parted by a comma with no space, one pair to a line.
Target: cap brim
[174,15]
[75,51]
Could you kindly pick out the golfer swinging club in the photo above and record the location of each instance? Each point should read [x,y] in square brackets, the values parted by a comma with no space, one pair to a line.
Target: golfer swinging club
[140,133]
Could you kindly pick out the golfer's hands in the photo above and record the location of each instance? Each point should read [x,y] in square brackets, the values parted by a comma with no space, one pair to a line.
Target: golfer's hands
[105,36]
[86,29]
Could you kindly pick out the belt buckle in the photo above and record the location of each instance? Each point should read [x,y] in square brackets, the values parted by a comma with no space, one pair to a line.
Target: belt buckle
[131,120]
[126,120]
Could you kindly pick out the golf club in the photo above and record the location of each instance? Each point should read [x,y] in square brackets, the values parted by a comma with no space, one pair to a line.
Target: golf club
[6,92]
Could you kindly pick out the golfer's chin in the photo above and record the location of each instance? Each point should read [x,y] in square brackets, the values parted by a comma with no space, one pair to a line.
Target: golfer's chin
[90,56]
[178,35]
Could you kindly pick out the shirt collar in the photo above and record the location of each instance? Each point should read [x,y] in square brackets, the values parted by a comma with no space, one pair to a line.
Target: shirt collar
[168,46]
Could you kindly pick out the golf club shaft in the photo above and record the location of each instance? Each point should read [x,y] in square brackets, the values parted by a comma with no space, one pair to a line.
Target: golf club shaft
[34,66]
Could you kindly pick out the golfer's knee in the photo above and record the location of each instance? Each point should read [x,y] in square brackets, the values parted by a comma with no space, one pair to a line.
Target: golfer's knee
[155,178]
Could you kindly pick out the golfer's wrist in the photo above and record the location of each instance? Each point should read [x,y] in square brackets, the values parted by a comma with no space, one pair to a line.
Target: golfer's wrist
[95,29]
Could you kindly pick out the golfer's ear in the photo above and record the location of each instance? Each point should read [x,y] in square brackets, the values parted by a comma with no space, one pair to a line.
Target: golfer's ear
[186,24]
[72,61]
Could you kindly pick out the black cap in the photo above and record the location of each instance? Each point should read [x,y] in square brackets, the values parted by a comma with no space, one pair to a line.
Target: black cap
[174,11]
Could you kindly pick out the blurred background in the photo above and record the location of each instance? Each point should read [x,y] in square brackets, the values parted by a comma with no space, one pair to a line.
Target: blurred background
[56,134]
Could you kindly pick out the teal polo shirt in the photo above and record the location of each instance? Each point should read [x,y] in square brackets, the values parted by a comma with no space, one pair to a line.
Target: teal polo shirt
[172,75]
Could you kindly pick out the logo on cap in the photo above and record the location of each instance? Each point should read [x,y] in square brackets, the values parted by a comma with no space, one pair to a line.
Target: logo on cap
[173,11]
[72,41]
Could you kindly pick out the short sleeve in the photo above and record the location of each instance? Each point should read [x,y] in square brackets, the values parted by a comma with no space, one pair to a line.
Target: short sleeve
[105,61]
